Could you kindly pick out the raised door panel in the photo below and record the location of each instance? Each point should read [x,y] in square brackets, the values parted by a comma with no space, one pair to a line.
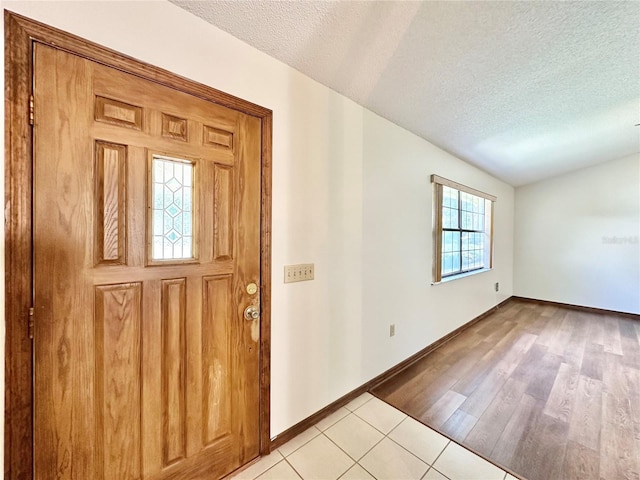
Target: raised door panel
[111,203]
[216,356]
[117,382]
[174,359]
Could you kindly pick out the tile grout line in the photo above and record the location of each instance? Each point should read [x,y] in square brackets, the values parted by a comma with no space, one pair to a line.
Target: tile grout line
[258,463]
[271,467]
[285,456]
[359,406]
[342,449]
[439,455]
[410,452]
[435,470]
[293,468]
[368,423]
[349,412]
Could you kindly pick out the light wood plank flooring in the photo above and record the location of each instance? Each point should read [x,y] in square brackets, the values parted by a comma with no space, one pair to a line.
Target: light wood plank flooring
[545,391]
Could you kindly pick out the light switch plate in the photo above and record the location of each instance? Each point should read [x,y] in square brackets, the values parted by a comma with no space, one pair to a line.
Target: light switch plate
[298,273]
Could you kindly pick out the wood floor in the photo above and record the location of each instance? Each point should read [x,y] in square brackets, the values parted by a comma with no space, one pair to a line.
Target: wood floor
[545,391]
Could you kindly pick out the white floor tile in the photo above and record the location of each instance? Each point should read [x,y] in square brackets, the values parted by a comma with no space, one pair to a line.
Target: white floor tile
[358,402]
[354,436]
[389,461]
[433,474]
[320,459]
[295,443]
[380,415]
[510,477]
[458,463]
[357,473]
[261,466]
[282,471]
[325,423]
[419,439]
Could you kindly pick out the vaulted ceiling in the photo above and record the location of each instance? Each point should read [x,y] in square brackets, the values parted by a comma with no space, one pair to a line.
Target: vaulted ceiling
[523,90]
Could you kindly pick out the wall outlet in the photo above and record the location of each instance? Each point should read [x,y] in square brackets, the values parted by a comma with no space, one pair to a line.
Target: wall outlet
[298,273]
[497,286]
[392,329]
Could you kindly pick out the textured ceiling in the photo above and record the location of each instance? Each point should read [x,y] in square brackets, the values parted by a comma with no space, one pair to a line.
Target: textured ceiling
[524,90]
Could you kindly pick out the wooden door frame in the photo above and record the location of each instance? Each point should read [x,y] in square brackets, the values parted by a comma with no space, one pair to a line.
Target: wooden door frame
[21,34]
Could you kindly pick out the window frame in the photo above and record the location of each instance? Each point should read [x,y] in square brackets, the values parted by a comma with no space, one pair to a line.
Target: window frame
[438,184]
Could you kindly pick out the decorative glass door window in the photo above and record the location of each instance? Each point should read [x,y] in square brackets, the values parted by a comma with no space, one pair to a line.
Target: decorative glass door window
[171,208]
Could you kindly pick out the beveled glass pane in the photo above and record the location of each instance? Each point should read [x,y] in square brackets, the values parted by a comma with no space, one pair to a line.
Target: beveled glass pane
[168,171]
[177,249]
[178,195]
[157,222]
[167,222]
[157,246]
[186,199]
[172,220]
[157,172]
[157,198]
[168,249]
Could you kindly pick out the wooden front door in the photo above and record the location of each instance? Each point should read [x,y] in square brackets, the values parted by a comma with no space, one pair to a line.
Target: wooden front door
[146,231]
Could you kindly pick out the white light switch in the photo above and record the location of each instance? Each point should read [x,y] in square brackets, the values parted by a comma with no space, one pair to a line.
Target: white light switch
[298,273]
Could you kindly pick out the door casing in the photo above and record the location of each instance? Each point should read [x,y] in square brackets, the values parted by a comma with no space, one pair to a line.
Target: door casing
[20,35]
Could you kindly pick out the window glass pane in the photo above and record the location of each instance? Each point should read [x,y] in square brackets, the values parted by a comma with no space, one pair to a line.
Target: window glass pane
[446,263]
[446,247]
[456,262]
[449,217]
[455,239]
[172,220]
[465,261]
[449,197]
[467,220]
[466,202]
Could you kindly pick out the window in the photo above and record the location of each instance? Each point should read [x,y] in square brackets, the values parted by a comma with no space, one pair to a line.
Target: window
[463,230]
[171,208]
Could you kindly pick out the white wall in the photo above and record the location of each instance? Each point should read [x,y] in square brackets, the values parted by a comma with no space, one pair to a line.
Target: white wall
[351,193]
[397,246]
[577,237]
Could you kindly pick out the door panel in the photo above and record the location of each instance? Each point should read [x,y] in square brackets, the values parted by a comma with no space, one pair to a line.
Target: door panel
[144,367]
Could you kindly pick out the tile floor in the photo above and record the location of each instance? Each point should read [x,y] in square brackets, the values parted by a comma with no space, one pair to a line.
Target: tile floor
[369,439]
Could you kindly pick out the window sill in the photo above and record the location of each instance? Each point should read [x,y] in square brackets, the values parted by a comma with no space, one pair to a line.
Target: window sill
[461,275]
